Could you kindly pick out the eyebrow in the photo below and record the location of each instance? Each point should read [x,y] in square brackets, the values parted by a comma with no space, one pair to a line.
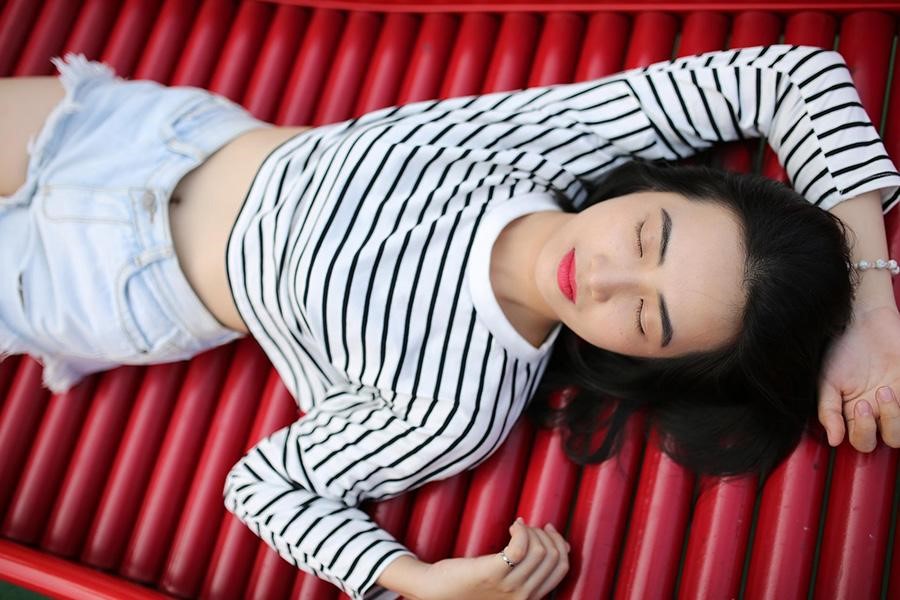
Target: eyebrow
[663,311]
[666,232]
[666,323]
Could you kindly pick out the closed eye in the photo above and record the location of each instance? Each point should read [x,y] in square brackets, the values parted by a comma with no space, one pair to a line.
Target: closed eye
[637,317]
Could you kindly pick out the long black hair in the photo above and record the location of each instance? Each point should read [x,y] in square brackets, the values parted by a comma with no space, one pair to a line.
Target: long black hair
[734,410]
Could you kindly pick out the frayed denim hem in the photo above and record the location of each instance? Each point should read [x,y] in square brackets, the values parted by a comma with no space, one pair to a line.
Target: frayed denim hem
[75,73]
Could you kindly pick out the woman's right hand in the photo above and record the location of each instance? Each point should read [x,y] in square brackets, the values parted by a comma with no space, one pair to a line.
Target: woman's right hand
[541,558]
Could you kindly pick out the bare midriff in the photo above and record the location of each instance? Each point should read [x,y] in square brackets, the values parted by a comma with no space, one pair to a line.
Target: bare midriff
[203,208]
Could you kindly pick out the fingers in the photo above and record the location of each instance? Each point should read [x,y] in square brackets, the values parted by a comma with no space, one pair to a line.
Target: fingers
[862,425]
[889,416]
[562,564]
[552,554]
[830,413]
[544,565]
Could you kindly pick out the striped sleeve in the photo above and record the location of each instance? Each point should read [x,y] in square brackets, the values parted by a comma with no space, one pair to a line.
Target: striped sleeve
[298,488]
[801,98]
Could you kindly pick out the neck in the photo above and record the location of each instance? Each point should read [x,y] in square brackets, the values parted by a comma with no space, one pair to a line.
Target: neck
[513,260]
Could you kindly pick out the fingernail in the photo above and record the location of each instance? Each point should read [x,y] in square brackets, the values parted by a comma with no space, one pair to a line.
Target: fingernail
[550,526]
[863,408]
[884,395]
[520,521]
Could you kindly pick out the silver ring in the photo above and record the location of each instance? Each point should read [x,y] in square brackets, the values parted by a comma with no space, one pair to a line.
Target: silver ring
[509,562]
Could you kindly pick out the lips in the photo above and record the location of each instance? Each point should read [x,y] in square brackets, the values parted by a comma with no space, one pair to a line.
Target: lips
[565,276]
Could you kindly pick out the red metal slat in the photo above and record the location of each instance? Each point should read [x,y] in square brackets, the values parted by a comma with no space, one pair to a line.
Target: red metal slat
[22,413]
[435,516]
[57,578]
[392,514]
[494,494]
[91,462]
[702,32]
[311,68]
[16,21]
[855,540]
[720,528]
[8,367]
[198,59]
[787,523]
[309,587]
[652,39]
[429,58]
[47,461]
[388,63]
[865,42]
[551,475]
[652,550]
[271,578]
[470,56]
[134,464]
[754,29]
[92,27]
[342,87]
[195,536]
[129,34]
[605,41]
[557,50]
[229,568]
[47,37]
[274,63]
[241,52]
[166,41]
[893,586]
[597,528]
[511,60]
[178,457]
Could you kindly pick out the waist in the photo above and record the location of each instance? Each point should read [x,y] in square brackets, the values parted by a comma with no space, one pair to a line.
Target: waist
[202,211]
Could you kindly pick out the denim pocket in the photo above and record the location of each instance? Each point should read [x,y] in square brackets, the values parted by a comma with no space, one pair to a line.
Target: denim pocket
[86,294]
[205,111]
[143,317]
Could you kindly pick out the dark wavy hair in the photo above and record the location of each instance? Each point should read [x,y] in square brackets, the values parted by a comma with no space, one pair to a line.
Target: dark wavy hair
[734,410]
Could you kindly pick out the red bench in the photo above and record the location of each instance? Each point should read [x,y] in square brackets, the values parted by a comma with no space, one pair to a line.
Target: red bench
[113,490]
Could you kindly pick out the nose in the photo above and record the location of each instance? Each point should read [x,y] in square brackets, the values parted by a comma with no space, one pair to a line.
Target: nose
[606,279]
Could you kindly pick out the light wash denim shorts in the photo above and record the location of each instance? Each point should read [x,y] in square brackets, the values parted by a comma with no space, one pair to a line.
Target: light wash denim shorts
[88,276]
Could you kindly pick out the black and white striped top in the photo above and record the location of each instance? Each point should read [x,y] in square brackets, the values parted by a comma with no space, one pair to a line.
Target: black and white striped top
[360,258]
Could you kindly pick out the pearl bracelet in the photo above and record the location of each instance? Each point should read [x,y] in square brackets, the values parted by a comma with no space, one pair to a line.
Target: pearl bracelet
[891,265]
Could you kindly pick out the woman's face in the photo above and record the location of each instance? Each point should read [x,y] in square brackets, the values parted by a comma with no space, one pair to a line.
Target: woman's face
[654,274]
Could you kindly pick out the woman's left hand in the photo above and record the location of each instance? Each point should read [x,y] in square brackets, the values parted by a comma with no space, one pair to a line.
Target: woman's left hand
[861,382]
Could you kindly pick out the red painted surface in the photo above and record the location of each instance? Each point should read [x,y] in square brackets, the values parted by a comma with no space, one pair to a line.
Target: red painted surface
[113,490]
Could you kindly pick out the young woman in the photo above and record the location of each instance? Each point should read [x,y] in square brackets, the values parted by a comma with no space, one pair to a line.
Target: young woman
[408,272]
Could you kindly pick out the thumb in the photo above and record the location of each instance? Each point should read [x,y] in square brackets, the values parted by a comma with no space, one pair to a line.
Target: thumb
[518,545]
[830,412]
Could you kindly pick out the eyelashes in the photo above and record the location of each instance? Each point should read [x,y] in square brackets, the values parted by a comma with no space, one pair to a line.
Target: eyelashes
[637,317]
[640,249]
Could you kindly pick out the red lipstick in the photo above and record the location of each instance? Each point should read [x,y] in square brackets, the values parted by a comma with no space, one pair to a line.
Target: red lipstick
[565,276]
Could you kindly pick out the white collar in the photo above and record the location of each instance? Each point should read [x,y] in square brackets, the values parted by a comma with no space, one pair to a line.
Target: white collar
[480,288]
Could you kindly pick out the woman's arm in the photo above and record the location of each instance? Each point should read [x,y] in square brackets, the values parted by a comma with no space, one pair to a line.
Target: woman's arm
[867,357]
[298,489]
